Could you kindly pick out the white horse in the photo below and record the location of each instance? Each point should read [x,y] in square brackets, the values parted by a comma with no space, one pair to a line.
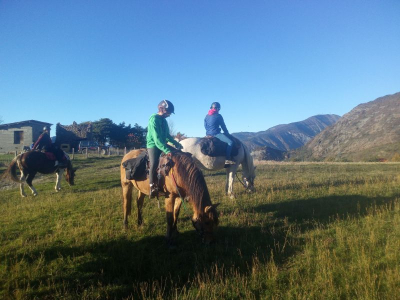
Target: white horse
[192,145]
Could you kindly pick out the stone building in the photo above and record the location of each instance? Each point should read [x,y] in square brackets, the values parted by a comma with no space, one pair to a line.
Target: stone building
[69,136]
[19,135]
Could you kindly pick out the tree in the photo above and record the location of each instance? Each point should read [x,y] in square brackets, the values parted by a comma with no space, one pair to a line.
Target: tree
[106,131]
[102,130]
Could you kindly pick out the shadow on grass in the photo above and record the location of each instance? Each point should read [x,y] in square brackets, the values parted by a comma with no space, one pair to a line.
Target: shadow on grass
[323,210]
[116,268]
[120,266]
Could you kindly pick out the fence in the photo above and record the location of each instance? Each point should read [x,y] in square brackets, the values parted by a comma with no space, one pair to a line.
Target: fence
[5,159]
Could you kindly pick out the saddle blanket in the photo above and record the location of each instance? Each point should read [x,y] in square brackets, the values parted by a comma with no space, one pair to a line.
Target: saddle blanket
[214,147]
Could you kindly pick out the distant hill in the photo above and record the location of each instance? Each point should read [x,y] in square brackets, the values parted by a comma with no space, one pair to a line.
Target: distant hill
[369,132]
[288,136]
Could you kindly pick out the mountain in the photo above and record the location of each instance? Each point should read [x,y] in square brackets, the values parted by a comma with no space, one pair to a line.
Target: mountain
[369,132]
[288,136]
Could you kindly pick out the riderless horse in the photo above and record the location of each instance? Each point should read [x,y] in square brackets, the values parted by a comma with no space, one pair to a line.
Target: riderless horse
[181,179]
[193,146]
[32,162]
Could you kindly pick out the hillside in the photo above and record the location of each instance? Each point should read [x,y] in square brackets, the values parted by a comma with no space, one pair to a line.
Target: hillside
[369,132]
[287,136]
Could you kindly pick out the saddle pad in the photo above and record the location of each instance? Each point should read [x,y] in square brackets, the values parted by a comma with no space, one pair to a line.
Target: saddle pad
[50,155]
[135,168]
[214,147]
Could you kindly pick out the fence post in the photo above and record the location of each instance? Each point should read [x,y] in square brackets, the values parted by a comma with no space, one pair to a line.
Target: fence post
[86,153]
[118,151]
[125,151]
[73,152]
[16,153]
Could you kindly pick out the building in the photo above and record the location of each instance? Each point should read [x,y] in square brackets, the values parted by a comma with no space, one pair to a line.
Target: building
[69,136]
[16,136]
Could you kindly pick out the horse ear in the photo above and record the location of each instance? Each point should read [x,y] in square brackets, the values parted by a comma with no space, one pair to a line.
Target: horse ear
[208,208]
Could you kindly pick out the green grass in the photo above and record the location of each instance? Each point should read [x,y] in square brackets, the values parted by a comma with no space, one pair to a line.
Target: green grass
[311,231]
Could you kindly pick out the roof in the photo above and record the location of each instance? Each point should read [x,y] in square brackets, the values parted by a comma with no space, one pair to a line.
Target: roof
[28,122]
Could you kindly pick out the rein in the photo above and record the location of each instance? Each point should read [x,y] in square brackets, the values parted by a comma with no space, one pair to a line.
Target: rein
[245,187]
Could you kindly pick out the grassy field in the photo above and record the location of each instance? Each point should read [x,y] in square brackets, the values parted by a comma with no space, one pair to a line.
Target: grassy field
[311,231]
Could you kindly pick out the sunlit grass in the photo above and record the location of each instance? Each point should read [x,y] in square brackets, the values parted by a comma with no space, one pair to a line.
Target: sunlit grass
[311,231]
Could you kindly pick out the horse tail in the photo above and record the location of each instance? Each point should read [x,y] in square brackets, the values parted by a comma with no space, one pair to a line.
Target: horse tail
[248,159]
[12,169]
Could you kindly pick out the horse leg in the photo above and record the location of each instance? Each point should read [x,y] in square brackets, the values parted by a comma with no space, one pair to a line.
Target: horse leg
[21,185]
[169,208]
[139,203]
[127,198]
[58,181]
[230,177]
[177,208]
[29,180]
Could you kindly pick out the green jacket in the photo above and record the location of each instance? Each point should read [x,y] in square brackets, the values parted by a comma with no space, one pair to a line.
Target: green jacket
[158,134]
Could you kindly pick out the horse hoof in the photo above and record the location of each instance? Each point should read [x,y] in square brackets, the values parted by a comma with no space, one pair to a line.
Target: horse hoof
[34,195]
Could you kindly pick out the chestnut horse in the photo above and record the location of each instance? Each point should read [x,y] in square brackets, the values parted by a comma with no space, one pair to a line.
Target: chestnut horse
[183,180]
[32,162]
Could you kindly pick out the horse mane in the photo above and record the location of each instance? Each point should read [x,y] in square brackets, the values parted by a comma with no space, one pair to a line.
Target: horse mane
[192,179]
[248,164]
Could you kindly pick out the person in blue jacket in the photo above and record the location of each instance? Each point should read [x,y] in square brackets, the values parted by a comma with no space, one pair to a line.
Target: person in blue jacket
[213,123]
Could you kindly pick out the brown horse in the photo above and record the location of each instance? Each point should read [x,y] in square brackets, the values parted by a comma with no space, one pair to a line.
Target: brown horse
[183,180]
[32,162]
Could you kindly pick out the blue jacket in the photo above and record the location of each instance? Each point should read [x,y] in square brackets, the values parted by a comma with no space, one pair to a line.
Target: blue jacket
[212,124]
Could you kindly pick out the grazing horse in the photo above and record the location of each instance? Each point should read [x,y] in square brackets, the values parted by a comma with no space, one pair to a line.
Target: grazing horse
[32,162]
[182,180]
[192,145]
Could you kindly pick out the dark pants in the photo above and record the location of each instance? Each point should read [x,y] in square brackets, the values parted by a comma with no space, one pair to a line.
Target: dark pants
[154,158]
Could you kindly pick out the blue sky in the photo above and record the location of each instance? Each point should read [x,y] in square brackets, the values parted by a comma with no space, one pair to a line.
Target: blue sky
[266,62]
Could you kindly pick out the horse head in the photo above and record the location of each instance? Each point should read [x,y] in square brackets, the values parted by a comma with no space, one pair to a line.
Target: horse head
[206,223]
[248,181]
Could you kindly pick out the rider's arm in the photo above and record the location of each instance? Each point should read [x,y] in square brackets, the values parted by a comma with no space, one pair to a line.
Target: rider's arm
[37,142]
[222,124]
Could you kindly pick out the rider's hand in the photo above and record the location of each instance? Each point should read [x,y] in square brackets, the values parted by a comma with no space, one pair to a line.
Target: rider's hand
[179,147]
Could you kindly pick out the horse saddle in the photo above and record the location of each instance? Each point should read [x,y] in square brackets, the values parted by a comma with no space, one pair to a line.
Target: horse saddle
[136,168]
[214,147]
[50,155]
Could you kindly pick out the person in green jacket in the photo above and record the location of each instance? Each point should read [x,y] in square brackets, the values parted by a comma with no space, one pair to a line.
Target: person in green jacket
[157,137]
